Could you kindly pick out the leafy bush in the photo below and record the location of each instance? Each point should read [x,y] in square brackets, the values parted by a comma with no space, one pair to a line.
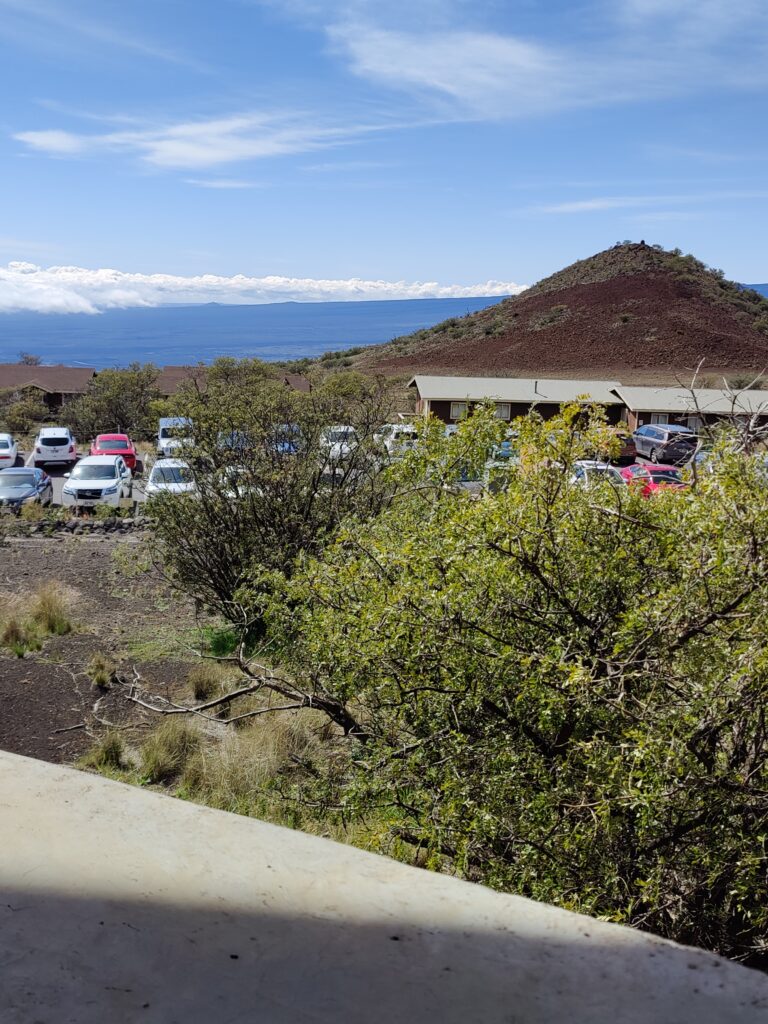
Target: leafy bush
[560,691]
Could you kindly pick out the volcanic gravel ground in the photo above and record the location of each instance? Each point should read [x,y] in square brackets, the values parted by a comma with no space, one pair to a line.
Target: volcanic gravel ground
[49,708]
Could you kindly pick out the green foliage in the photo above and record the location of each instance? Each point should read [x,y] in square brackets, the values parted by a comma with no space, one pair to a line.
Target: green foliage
[561,690]
[266,487]
[118,400]
[20,414]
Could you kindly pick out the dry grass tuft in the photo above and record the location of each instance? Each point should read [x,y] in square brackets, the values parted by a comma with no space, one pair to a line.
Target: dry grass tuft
[207,680]
[238,773]
[167,750]
[50,608]
[18,637]
[108,753]
[100,670]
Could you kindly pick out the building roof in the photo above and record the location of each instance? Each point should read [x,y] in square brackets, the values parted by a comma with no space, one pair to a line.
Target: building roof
[297,381]
[525,390]
[65,380]
[170,378]
[716,401]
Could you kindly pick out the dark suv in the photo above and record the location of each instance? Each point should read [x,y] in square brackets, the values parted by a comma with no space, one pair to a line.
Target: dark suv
[670,443]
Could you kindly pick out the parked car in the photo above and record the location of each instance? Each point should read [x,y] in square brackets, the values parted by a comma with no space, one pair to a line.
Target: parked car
[55,445]
[588,472]
[397,438]
[288,439]
[172,433]
[337,443]
[116,444]
[24,486]
[97,480]
[9,451]
[653,478]
[670,443]
[170,476]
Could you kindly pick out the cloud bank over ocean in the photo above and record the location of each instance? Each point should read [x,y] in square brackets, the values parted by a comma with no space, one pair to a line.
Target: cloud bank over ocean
[26,287]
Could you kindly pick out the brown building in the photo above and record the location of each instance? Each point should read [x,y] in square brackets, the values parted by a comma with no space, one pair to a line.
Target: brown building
[54,385]
[451,398]
[170,378]
[692,408]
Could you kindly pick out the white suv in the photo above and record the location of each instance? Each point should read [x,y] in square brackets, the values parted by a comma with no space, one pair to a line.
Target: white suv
[8,452]
[97,480]
[54,444]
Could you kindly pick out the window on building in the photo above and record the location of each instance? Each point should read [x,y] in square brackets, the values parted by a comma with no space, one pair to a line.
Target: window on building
[458,410]
[695,423]
[503,410]
[659,417]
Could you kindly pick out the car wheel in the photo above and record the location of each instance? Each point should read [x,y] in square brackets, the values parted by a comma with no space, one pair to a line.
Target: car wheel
[654,457]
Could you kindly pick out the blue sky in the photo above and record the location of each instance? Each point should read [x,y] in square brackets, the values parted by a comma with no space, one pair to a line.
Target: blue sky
[354,148]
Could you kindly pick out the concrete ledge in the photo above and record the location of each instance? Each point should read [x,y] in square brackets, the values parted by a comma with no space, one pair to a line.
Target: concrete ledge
[119,905]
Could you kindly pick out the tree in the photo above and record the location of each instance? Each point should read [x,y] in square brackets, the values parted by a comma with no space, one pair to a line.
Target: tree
[268,488]
[561,691]
[28,359]
[118,400]
[554,690]
[19,414]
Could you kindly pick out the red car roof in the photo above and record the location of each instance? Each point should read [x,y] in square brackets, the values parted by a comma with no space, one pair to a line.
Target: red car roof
[112,437]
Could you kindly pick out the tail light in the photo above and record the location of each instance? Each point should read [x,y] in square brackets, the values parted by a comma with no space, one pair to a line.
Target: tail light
[71,449]
[38,450]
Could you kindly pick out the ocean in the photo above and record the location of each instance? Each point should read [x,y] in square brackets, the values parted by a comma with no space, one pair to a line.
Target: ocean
[200,333]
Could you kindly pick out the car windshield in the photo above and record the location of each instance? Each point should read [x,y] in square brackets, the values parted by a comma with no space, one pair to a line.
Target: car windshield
[116,444]
[179,432]
[54,442]
[4,445]
[94,472]
[13,481]
[171,475]
[340,436]
[404,435]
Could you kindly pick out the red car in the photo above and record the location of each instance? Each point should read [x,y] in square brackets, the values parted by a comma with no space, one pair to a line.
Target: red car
[653,478]
[116,444]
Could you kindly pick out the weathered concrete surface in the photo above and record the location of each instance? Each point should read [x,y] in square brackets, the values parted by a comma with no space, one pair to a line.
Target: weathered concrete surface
[119,905]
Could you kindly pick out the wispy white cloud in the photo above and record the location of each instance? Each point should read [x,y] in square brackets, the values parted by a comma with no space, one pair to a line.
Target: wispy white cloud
[636,50]
[26,286]
[200,144]
[49,23]
[224,183]
[602,203]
